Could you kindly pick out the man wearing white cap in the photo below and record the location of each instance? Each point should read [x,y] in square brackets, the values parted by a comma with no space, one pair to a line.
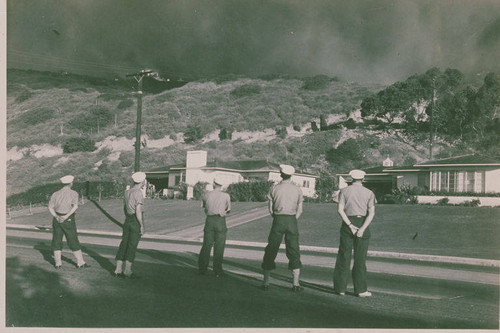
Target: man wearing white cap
[357,208]
[133,227]
[285,206]
[217,205]
[62,206]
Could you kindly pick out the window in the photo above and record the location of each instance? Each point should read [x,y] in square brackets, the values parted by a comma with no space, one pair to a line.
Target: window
[305,183]
[457,181]
[177,180]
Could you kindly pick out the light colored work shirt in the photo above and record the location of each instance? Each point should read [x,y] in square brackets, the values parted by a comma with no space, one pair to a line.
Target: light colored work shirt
[132,198]
[357,199]
[216,202]
[63,200]
[286,197]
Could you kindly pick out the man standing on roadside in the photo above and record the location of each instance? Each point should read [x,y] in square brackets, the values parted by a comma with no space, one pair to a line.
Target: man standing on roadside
[133,227]
[357,208]
[217,205]
[285,206]
[62,206]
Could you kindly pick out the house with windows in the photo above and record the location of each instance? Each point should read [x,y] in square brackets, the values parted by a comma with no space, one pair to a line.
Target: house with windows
[463,174]
[198,169]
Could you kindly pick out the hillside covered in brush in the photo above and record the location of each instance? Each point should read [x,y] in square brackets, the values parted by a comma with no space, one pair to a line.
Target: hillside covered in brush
[59,123]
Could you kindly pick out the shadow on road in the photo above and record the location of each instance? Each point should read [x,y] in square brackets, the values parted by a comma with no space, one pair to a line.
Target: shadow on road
[172,294]
[111,218]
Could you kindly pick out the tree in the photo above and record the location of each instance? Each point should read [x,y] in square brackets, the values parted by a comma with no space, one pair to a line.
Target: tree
[193,134]
[326,185]
[349,150]
[314,126]
[486,105]
[323,126]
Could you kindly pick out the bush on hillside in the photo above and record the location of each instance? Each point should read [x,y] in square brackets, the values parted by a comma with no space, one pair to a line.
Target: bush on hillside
[76,144]
[126,103]
[316,82]
[24,96]
[37,116]
[246,90]
[249,191]
[350,150]
[98,116]
[193,134]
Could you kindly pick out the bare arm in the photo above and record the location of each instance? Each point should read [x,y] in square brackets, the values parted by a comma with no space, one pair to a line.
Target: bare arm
[270,206]
[368,220]
[140,217]
[344,217]
[299,210]
[73,209]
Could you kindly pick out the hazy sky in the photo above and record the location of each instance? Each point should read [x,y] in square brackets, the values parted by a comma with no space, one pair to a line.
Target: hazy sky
[365,41]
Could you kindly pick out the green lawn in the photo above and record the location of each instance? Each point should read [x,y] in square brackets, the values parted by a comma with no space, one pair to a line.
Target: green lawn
[440,230]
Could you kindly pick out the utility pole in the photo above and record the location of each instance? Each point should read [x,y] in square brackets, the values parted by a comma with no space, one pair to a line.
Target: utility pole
[139,78]
[431,138]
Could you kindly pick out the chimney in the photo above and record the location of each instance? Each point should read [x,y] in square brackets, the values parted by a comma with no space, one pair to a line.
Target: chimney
[196,159]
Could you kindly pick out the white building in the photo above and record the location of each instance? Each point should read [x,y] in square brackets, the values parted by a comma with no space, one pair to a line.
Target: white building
[462,174]
[197,169]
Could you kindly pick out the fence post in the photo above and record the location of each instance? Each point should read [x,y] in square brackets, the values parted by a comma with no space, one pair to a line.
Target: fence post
[31,211]
[8,211]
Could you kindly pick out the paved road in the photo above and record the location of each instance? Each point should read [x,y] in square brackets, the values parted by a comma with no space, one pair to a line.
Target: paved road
[196,232]
[171,294]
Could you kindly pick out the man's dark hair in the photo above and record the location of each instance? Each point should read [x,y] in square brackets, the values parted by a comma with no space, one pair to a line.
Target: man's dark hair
[285,177]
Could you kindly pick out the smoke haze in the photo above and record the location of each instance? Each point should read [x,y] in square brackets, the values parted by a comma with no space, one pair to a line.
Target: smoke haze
[366,41]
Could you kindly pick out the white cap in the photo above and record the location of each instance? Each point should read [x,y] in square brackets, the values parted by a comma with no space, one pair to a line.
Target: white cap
[138,177]
[218,180]
[357,174]
[287,169]
[67,179]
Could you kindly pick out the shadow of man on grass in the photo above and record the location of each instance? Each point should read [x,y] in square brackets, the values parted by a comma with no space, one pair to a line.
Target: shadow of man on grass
[111,218]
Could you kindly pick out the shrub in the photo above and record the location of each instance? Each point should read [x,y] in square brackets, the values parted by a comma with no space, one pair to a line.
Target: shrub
[350,123]
[249,191]
[126,103]
[316,82]
[471,203]
[37,116]
[281,132]
[443,202]
[24,96]
[245,90]
[199,190]
[193,134]
[326,185]
[181,190]
[98,115]
[347,150]
[402,195]
[77,144]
